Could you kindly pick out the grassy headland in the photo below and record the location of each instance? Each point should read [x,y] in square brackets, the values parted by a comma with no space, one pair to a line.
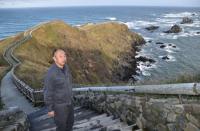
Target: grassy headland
[97,53]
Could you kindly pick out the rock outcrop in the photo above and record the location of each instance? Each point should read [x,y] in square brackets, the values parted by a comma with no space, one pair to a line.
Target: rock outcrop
[145,59]
[152,28]
[186,20]
[174,29]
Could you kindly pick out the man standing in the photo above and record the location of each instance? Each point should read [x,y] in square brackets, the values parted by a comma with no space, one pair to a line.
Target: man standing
[58,96]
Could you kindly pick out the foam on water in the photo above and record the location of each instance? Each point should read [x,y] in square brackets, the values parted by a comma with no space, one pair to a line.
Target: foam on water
[181,34]
[139,24]
[111,18]
[181,14]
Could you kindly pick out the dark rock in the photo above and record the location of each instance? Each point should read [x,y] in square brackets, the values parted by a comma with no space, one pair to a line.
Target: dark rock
[149,41]
[165,58]
[198,32]
[159,43]
[172,45]
[193,14]
[174,29]
[145,59]
[162,46]
[187,20]
[152,28]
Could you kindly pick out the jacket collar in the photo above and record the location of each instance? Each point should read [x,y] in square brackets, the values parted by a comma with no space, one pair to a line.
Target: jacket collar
[57,67]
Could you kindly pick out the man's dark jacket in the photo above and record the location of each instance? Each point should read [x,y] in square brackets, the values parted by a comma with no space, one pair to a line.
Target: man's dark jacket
[57,86]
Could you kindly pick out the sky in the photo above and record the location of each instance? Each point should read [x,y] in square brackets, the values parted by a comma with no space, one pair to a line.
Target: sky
[55,3]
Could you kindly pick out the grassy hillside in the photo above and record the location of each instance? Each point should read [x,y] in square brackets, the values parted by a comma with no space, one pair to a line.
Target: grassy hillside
[3,45]
[97,53]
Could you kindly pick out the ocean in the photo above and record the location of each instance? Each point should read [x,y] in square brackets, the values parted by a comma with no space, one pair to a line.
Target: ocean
[182,49]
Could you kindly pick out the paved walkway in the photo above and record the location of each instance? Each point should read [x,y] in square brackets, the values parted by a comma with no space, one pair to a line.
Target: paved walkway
[12,97]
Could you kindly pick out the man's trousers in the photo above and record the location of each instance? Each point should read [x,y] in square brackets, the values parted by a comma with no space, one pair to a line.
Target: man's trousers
[64,117]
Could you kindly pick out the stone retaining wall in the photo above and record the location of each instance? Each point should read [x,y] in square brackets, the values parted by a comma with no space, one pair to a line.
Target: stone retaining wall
[150,113]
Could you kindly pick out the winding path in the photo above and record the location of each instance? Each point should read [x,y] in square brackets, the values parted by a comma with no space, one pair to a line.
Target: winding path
[85,120]
[10,95]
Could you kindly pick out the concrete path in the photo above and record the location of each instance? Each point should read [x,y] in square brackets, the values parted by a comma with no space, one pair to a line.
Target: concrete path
[12,97]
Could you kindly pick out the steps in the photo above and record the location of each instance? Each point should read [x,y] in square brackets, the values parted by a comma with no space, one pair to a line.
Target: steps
[85,120]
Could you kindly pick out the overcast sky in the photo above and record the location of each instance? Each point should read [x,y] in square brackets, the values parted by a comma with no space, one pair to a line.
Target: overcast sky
[52,3]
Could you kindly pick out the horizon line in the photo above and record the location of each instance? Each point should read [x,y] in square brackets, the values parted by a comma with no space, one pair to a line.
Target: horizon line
[98,6]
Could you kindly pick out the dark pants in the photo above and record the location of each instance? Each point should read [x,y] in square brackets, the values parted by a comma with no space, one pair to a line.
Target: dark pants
[64,117]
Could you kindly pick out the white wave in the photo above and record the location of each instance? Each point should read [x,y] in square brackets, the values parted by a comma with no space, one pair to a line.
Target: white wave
[146,73]
[144,69]
[143,52]
[171,58]
[146,65]
[185,34]
[169,48]
[147,38]
[196,23]
[111,18]
[176,15]
[130,25]
[181,34]
[78,25]
[167,22]
[169,36]
[194,33]
[140,24]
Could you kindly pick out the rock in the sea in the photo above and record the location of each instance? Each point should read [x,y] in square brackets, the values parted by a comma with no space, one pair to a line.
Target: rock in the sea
[198,32]
[162,46]
[152,28]
[165,58]
[174,29]
[186,20]
[174,46]
[159,43]
[145,59]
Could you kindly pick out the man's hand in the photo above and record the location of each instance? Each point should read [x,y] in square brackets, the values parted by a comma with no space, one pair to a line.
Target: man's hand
[51,114]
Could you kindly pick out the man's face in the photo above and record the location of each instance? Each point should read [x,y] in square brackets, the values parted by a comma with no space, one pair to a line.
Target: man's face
[60,57]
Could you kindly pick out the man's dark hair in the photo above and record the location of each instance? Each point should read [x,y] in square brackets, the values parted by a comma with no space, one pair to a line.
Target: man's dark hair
[56,49]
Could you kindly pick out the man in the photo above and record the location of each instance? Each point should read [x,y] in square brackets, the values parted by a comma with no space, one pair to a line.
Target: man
[58,96]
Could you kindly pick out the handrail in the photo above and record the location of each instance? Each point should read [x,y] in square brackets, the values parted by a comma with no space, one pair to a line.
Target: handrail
[165,89]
